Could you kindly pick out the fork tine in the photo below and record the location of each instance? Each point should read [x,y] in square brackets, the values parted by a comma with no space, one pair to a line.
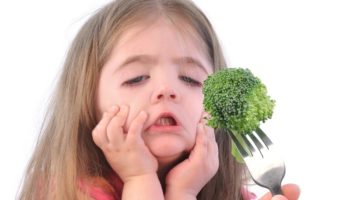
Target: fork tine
[250,146]
[256,141]
[241,150]
[264,137]
[265,165]
[257,144]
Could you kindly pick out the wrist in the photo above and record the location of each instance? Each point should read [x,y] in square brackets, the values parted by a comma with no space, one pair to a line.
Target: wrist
[151,177]
[173,193]
[146,186]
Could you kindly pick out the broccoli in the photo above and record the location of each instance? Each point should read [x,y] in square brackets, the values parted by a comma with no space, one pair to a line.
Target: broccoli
[237,101]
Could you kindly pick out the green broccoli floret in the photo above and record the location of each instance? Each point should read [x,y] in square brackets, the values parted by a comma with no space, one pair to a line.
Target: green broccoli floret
[237,101]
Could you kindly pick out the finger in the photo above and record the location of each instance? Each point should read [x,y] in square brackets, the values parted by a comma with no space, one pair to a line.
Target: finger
[213,146]
[213,152]
[99,134]
[290,191]
[201,147]
[115,131]
[204,118]
[202,136]
[136,126]
[279,197]
[210,132]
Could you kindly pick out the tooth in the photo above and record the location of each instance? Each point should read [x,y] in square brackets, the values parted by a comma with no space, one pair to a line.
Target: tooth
[165,121]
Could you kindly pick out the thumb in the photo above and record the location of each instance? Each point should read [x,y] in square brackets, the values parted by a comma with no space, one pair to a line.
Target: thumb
[201,143]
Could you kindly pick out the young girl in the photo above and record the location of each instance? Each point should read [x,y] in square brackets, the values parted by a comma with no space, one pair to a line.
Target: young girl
[126,118]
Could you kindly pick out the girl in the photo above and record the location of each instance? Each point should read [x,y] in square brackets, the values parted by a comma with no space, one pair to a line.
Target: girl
[126,116]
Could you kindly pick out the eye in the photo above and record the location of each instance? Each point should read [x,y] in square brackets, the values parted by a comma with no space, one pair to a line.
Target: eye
[190,81]
[135,81]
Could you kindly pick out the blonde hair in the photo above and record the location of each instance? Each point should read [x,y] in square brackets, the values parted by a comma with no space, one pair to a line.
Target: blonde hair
[65,152]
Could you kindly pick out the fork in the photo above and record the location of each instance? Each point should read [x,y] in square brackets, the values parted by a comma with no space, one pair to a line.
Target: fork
[264,164]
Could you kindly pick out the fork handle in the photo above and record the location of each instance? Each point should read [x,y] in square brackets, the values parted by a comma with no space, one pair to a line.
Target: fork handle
[276,190]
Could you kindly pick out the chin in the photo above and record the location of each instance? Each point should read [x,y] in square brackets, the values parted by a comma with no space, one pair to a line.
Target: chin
[167,150]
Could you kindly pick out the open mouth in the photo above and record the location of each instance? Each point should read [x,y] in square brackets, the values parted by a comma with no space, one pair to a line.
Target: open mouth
[165,120]
[165,123]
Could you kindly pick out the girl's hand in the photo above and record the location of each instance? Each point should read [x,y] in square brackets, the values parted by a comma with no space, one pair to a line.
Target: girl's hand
[126,152]
[290,192]
[186,179]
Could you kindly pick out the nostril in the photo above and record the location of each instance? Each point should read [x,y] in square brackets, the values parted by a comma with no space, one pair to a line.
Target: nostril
[171,96]
[165,93]
[160,96]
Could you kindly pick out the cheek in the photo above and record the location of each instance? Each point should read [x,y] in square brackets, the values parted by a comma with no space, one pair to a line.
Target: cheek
[104,101]
[107,94]
[195,116]
[135,102]
[196,108]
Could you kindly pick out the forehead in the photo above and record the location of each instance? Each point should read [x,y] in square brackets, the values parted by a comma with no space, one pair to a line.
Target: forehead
[162,38]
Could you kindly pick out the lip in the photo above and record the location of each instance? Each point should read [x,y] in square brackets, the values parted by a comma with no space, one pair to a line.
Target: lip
[165,129]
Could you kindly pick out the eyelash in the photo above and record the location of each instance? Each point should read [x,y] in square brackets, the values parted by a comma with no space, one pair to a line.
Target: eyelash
[190,81]
[137,80]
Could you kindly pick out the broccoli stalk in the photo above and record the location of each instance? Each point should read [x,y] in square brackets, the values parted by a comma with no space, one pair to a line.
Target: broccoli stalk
[237,101]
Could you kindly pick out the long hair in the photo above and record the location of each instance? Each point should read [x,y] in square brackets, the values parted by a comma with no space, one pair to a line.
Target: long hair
[65,152]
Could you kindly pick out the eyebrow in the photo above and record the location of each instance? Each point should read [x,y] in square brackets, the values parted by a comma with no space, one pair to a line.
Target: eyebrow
[191,60]
[137,58]
[147,59]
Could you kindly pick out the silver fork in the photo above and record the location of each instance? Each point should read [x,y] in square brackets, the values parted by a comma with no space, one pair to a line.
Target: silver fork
[265,165]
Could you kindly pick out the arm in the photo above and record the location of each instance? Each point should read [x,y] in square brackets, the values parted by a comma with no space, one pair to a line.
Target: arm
[146,186]
[128,155]
[174,193]
[186,179]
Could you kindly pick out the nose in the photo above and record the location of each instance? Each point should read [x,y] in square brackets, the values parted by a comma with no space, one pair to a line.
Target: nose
[165,93]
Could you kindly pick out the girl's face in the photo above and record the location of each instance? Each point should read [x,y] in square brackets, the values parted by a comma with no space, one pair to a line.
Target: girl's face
[158,69]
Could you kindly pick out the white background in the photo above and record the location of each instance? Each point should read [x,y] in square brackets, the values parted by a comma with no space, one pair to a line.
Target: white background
[300,49]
